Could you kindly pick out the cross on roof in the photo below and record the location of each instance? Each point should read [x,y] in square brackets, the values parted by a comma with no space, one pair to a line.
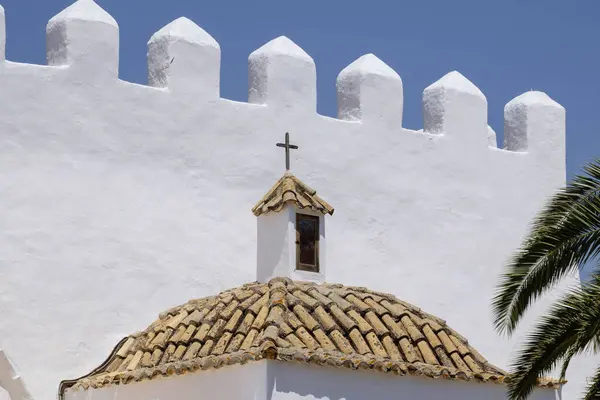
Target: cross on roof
[287,147]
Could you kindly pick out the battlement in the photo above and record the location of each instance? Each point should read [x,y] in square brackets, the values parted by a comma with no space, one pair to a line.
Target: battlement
[183,59]
[120,199]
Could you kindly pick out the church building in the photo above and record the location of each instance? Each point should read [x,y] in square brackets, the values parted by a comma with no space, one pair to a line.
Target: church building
[292,335]
[124,201]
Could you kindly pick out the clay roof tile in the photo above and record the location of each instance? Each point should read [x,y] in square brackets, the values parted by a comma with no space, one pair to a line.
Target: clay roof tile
[289,189]
[295,321]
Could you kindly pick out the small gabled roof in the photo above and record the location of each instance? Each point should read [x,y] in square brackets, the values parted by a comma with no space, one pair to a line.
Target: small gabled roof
[299,322]
[290,189]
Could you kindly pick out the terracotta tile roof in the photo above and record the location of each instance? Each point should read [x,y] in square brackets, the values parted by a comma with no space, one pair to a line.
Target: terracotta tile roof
[334,325]
[290,189]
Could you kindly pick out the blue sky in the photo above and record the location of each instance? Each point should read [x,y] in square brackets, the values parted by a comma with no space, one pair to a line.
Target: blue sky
[504,47]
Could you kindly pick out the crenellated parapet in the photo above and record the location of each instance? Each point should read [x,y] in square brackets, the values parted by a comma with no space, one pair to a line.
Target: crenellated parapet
[282,75]
[86,38]
[534,122]
[369,90]
[115,192]
[185,59]
[455,106]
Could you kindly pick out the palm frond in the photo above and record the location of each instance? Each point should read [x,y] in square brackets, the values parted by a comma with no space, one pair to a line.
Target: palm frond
[593,389]
[581,187]
[571,326]
[572,352]
[563,237]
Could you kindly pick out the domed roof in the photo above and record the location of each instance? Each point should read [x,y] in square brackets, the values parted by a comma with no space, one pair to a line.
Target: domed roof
[324,324]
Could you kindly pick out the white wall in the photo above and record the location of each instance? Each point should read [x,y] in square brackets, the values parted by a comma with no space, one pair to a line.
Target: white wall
[297,381]
[237,382]
[11,383]
[121,200]
[276,246]
[273,380]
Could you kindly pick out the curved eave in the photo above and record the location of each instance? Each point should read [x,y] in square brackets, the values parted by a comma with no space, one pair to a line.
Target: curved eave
[270,351]
[68,383]
[199,335]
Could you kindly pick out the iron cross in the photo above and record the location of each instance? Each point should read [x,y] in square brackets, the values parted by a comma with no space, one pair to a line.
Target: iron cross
[287,146]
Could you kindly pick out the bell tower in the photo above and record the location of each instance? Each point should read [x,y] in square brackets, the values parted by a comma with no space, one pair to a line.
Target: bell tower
[291,229]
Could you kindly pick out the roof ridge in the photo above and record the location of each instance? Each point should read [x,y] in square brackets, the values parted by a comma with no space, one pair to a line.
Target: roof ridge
[290,189]
[303,185]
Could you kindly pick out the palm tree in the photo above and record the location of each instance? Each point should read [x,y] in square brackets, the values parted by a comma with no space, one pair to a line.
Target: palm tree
[564,237]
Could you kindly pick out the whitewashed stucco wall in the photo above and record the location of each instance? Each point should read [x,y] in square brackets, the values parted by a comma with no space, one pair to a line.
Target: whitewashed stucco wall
[276,246]
[298,382]
[237,382]
[121,200]
[273,380]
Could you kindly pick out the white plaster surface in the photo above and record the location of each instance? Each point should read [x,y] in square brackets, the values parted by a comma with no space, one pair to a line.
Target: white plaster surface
[10,381]
[283,76]
[236,382]
[122,200]
[297,381]
[276,246]
[360,87]
[184,57]
[492,140]
[454,105]
[274,380]
[528,112]
[85,37]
